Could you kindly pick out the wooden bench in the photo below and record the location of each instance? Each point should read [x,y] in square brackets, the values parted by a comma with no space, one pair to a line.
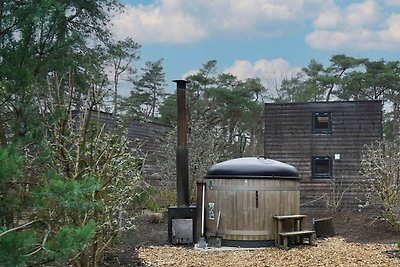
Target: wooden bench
[301,234]
[297,231]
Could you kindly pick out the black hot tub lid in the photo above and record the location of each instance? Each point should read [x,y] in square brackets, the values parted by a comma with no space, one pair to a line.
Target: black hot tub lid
[252,167]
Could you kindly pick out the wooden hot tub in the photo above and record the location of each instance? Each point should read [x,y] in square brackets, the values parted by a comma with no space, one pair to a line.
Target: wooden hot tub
[244,194]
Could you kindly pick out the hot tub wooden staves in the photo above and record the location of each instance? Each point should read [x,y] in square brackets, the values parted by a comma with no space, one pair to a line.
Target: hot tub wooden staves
[243,195]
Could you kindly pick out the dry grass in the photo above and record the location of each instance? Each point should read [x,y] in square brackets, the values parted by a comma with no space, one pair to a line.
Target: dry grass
[154,218]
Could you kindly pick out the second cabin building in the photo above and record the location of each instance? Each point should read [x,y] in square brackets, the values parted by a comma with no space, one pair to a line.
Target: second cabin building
[324,141]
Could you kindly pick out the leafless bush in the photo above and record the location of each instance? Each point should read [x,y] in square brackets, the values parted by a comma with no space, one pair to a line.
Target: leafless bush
[381,167]
[205,149]
[337,191]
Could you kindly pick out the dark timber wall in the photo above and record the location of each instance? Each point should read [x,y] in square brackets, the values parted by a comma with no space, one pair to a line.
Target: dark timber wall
[150,137]
[289,137]
[146,135]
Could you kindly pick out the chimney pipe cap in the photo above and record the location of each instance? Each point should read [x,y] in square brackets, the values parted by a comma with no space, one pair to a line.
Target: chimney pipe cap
[181,82]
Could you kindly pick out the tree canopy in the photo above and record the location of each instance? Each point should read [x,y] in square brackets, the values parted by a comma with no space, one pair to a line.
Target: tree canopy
[348,79]
[228,106]
[65,183]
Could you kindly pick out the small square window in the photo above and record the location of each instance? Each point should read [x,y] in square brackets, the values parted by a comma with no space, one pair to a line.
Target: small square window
[322,123]
[321,167]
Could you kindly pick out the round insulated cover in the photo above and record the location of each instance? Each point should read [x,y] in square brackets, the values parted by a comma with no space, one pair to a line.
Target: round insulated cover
[252,167]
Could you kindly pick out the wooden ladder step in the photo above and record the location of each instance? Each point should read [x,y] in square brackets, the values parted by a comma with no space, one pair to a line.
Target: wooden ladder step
[283,237]
[294,233]
[293,216]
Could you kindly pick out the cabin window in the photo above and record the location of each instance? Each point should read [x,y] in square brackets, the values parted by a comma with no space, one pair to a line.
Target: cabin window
[322,123]
[321,167]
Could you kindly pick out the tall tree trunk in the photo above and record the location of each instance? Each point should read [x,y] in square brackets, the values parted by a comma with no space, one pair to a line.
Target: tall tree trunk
[5,189]
[253,143]
[395,122]
[3,136]
[116,80]
[7,212]
[154,103]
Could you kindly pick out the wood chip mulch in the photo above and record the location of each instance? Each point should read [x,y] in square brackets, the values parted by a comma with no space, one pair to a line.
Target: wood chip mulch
[328,252]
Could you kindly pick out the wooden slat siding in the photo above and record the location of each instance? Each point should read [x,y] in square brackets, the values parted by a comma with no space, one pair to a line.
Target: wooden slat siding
[238,207]
[289,138]
[351,200]
[149,136]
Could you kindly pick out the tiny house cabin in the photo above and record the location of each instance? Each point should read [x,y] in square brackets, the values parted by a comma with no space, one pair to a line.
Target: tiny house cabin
[324,141]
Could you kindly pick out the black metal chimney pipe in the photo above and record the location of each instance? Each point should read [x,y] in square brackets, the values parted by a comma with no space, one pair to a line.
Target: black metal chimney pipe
[182,165]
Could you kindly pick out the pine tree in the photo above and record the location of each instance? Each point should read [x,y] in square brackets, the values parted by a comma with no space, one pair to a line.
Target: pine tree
[147,94]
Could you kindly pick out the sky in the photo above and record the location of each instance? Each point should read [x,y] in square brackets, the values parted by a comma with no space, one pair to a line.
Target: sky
[268,39]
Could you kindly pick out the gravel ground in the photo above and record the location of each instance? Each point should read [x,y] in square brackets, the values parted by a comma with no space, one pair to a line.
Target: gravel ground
[361,240]
[328,252]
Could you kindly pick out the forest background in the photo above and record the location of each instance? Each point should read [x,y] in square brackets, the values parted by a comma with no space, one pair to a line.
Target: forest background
[67,186]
